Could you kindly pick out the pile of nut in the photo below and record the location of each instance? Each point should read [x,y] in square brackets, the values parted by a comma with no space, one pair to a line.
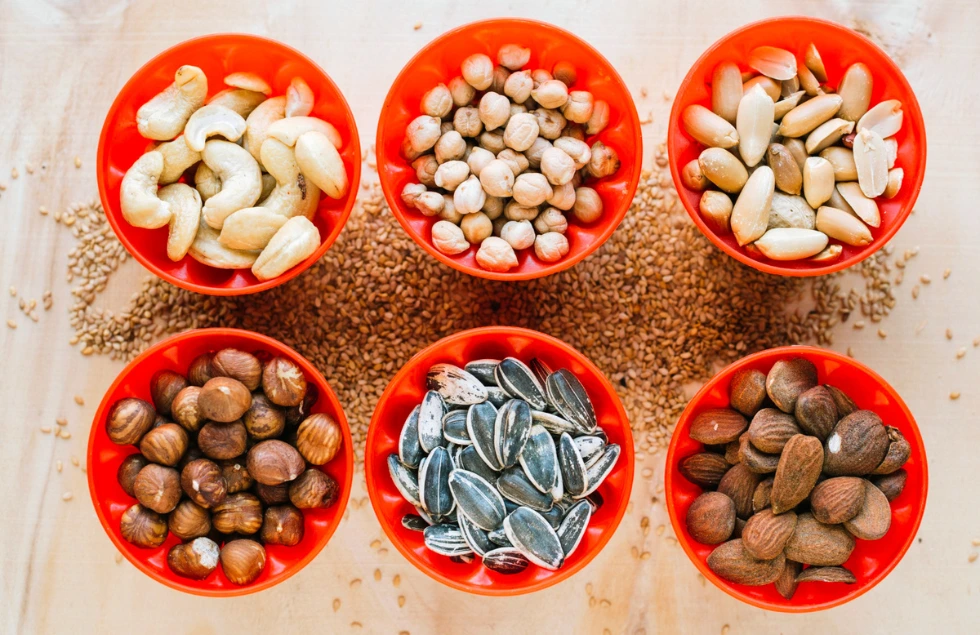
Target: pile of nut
[502,460]
[501,155]
[803,163]
[228,456]
[798,485]
[252,203]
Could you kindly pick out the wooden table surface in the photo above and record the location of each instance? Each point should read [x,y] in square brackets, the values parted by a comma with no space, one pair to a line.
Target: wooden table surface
[61,63]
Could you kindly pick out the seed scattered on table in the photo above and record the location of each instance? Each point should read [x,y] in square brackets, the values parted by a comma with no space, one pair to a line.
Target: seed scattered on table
[882,333]
[954,395]
[67,496]
[973,557]
[401,601]
[14,173]
[74,461]
[78,161]
[45,430]
[61,421]
[79,400]
[356,582]
[29,167]
[925,279]
[59,465]
[960,353]
[336,604]
[949,334]
[417,26]
[377,575]
[396,581]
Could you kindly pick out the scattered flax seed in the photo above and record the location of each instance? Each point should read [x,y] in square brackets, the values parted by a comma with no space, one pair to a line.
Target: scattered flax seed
[645,555]
[915,292]
[401,601]
[960,352]
[382,552]
[377,575]
[921,326]
[645,522]
[882,333]
[14,173]
[946,274]
[660,530]
[859,325]
[949,334]
[67,496]
[61,421]
[396,581]
[118,558]
[3,186]
[79,400]
[88,350]
[78,161]
[953,396]
[59,465]
[375,543]
[850,352]
[45,429]
[925,279]
[336,604]
[417,26]
[404,633]
[973,557]
[11,324]
[42,210]
[356,582]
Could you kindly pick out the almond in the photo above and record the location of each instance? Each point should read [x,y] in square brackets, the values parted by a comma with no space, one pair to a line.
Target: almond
[898,452]
[826,574]
[711,518]
[717,426]
[818,544]
[705,469]
[732,449]
[765,534]
[837,500]
[771,429]
[786,582]
[739,484]
[875,517]
[760,499]
[816,412]
[732,562]
[739,527]
[788,379]
[892,484]
[756,460]
[748,391]
[845,405]
[857,445]
[798,471]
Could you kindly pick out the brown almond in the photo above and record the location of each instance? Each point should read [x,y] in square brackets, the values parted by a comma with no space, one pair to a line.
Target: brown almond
[739,527]
[760,499]
[748,391]
[711,518]
[717,426]
[732,449]
[788,379]
[857,445]
[739,484]
[899,451]
[818,544]
[875,517]
[826,574]
[771,429]
[845,405]
[732,562]
[816,412]
[705,469]
[765,534]
[755,459]
[837,499]
[786,582]
[798,471]
[891,484]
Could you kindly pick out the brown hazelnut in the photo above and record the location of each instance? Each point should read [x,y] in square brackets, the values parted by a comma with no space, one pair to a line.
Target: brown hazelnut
[231,362]
[165,444]
[313,488]
[128,470]
[283,525]
[193,453]
[283,382]
[264,420]
[128,420]
[195,559]
[272,462]
[185,410]
[242,561]
[224,399]
[296,414]
[236,475]
[241,513]
[223,440]
[158,488]
[272,494]
[200,371]
[189,520]
[143,527]
[164,386]
[201,480]
[318,438]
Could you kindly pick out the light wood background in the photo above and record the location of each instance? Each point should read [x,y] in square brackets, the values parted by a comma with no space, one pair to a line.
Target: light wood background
[61,63]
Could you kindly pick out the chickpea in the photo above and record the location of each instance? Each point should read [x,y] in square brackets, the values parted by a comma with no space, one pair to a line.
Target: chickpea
[517,161]
[498,224]
[469,197]
[462,92]
[478,71]
[540,76]
[450,147]
[519,234]
[450,174]
[550,94]
[551,247]
[521,131]
[492,141]
[448,238]
[578,150]
[478,159]
[423,132]
[517,109]
[532,189]
[534,153]
[438,101]
[448,212]
[494,110]
[430,203]
[588,205]
[513,56]
[550,123]
[476,227]
[579,106]
[495,254]
[551,220]
[565,73]
[497,178]
[500,75]
[556,165]
[408,151]
[604,161]
[447,126]
[493,207]
[425,169]
[516,211]
[574,130]
[411,192]
[518,86]
[563,196]
[599,119]
[467,121]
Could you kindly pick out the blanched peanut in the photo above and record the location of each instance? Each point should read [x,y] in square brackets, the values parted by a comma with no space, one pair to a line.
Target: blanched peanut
[532,189]
[599,119]
[519,234]
[467,121]
[521,131]
[537,148]
[693,178]
[476,227]
[478,159]
[562,196]
[515,211]
[550,123]
[438,101]
[492,141]
[517,161]
[450,174]
[716,208]
[448,238]
[513,56]
[450,147]
[469,197]
[411,193]
[604,161]
[462,92]
[551,247]
[578,150]
[551,220]
[494,110]
[423,132]
[430,203]
[478,71]
[557,166]
[518,86]
[425,169]
[497,178]
[495,254]
[579,106]
[588,205]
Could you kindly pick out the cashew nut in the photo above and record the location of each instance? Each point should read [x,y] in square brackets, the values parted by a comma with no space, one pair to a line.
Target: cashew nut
[248,81]
[268,184]
[185,202]
[295,241]
[257,124]
[320,162]
[293,195]
[241,180]
[299,98]
[211,120]
[251,228]
[164,116]
[207,250]
[206,182]
[141,207]
[177,157]
[238,99]
[288,130]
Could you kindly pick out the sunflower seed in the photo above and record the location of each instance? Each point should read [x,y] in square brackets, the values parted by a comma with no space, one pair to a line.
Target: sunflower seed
[855,91]
[750,215]
[434,483]
[813,62]
[827,134]
[454,427]
[511,430]
[773,62]
[558,491]
[454,450]
[756,114]
[573,469]
[424,515]
[505,560]
[554,516]
[538,460]
[540,370]
[573,527]
[499,536]
[865,208]
[723,168]
[844,227]
[475,537]
[519,382]
[483,369]
[455,385]
[602,468]
[790,243]
[430,421]
[553,423]
[895,178]
[818,181]
[466,558]
[409,450]
[497,396]
[468,459]
[446,540]
[808,115]
[405,480]
[596,500]
[568,396]
[871,160]
[534,538]
[480,425]
[477,499]
[515,487]
[413,522]
[589,446]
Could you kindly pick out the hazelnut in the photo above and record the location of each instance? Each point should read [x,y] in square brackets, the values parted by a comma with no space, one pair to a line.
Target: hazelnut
[195,560]
[318,438]
[128,469]
[157,488]
[185,410]
[201,480]
[272,494]
[165,444]
[143,527]
[189,520]
[237,478]
[241,513]
[128,420]
[231,362]
[273,462]
[604,160]
[200,371]
[164,387]
[263,420]
[283,525]
[283,382]
[565,73]
[158,421]
[224,399]
[223,440]
[588,205]
[192,454]
[242,561]
[313,489]
[296,414]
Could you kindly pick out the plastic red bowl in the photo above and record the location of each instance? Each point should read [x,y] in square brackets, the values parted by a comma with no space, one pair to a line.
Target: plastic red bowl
[440,60]
[407,389]
[120,144]
[104,457]
[839,47]
[871,560]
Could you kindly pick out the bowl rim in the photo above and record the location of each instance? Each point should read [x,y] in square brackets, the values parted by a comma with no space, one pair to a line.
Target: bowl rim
[911,108]
[393,198]
[326,391]
[775,354]
[557,576]
[204,289]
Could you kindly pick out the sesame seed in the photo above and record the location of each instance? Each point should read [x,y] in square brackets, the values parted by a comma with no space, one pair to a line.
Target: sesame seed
[14,173]
[45,429]
[397,580]
[949,334]
[65,434]
[375,543]
[59,465]
[13,292]
[11,324]
[417,26]
[401,601]
[960,352]
[882,333]
[67,496]
[356,582]
[79,400]
[74,461]
[946,274]
[29,168]
[377,575]
[925,279]
[973,557]
[61,421]
[336,604]
[954,395]
[78,161]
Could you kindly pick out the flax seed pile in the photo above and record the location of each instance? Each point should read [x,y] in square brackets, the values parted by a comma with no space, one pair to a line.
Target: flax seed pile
[658,308]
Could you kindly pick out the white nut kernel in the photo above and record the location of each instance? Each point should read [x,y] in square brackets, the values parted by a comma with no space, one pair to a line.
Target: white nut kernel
[320,163]
[164,116]
[532,189]
[500,75]
[477,70]
[238,99]
[430,203]
[448,238]
[450,174]
[495,254]
[411,193]
[248,81]
[250,228]
[177,157]
[540,76]
[588,205]
[478,159]
[299,98]
[494,110]
[493,207]
[517,109]
[206,182]
[537,149]
[438,101]
[497,178]
[141,207]
[295,241]
[212,120]
[519,234]
[550,123]
[557,166]
[521,131]
[513,56]
[551,247]
[467,121]
[450,147]
[578,150]
[469,197]
[492,141]
[423,132]
[550,94]
[579,106]
[290,129]
[258,122]
[207,250]
[448,211]
[551,220]
[476,227]
[268,185]
[185,204]
[462,92]
[518,86]
[293,195]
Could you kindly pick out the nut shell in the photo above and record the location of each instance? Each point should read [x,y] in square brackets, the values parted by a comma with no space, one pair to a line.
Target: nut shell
[319,438]
[296,414]
[765,534]
[282,525]
[128,469]
[235,473]
[858,445]
[739,484]
[711,518]
[165,444]
[717,426]
[223,440]
[732,562]
[195,560]
[238,513]
[143,527]
[164,386]
[818,544]
[158,488]
[242,561]
[705,469]
[875,517]
[200,370]
[129,419]
[203,483]
[313,489]
[283,382]
[185,410]
[224,399]
[771,429]
[273,462]
[816,412]
[788,379]
[272,494]
[189,520]
[748,391]
[891,484]
[797,473]
[837,500]
[263,420]
[231,362]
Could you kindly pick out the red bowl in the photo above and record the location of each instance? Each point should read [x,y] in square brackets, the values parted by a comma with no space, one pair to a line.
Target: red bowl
[871,560]
[839,47]
[120,144]
[407,389]
[439,61]
[104,457]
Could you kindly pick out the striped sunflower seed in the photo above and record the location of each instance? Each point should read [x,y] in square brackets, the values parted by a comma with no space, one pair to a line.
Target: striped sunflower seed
[512,428]
[726,90]
[573,527]
[434,483]
[827,134]
[572,463]
[756,114]
[475,538]
[790,243]
[865,208]
[405,480]
[842,226]
[534,538]
[516,487]
[552,422]
[414,522]
[539,460]
[477,499]
[430,421]
[519,382]
[716,208]
[599,468]
[855,91]
[842,160]
[808,115]
[409,451]
[871,160]
[446,540]
[497,396]
[540,369]
[469,459]
[480,425]
[708,128]
[589,446]
[789,177]
[483,369]
[505,560]
[773,62]
[455,385]
[885,118]
[567,394]
[499,536]
[454,427]
[750,215]
[818,181]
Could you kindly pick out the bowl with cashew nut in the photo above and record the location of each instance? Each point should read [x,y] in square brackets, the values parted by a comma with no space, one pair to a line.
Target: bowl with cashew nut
[228,164]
